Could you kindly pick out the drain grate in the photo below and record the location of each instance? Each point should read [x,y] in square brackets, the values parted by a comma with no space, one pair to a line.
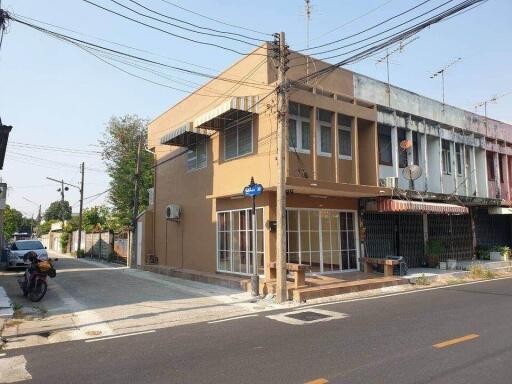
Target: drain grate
[308,316]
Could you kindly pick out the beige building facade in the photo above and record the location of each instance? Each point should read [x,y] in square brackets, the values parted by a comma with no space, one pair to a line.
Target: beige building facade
[209,145]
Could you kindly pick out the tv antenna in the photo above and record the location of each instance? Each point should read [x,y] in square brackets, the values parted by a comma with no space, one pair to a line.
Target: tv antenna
[399,49]
[492,100]
[308,9]
[441,73]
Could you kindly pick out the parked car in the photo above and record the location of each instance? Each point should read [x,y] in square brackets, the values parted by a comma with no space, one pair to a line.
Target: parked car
[20,248]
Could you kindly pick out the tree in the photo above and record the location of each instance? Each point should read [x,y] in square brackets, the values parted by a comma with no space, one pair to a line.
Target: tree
[13,220]
[119,151]
[95,218]
[58,210]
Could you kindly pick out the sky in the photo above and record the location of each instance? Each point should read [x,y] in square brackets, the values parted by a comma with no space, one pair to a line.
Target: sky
[56,95]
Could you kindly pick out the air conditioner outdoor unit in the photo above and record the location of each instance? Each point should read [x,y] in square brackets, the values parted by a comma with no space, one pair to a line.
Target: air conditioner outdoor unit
[173,212]
[389,182]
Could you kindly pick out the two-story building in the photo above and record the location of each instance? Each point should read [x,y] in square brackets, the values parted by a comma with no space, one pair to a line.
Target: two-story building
[352,142]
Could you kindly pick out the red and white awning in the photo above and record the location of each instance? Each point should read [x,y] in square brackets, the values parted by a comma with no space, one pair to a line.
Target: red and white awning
[391,205]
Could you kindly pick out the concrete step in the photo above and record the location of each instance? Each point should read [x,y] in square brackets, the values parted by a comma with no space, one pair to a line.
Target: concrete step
[309,293]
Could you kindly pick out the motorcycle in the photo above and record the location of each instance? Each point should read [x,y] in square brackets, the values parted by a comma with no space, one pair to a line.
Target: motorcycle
[33,284]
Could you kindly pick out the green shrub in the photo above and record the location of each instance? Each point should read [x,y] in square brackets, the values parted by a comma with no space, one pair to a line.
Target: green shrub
[422,280]
[483,252]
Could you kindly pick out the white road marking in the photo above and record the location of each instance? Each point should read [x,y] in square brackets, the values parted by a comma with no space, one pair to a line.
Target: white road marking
[402,293]
[119,336]
[231,318]
[13,369]
[284,317]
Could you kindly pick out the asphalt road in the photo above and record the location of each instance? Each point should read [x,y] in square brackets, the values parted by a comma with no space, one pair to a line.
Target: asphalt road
[384,340]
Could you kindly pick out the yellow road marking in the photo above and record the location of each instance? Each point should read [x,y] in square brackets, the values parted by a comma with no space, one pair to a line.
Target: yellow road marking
[318,381]
[458,340]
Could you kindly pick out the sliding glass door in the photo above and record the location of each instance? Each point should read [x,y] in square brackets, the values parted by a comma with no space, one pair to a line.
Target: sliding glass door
[323,239]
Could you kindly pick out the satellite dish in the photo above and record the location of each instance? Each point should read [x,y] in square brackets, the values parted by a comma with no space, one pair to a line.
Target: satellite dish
[412,172]
[405,144]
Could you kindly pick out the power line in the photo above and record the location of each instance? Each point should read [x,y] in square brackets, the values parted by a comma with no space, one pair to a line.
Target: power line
[212,19]
[354,19]
[89,44]
[392,39]
[163,30]
[377,34]
[367,29]
[54,148]
[116,43]
[192,24]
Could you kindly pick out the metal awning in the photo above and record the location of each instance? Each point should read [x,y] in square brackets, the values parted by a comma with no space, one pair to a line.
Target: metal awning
[500,211]
[231,110]
[185,136]
[391,205]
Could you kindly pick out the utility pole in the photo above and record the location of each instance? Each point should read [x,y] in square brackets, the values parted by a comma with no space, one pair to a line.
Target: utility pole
[282,134]
[64,187]
[80,217]
[133,256]
[308,18]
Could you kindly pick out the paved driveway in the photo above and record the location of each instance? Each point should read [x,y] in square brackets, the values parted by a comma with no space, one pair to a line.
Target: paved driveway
[88,299]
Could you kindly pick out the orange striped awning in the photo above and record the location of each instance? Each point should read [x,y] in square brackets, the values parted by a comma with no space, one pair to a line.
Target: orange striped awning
[392,205]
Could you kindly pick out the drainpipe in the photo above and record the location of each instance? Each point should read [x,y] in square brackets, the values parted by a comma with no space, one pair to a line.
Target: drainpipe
[475,176]
[394,146]
[440,157]
[425,154]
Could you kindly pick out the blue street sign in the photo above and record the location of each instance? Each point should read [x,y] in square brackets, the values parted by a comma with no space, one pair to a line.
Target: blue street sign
[253,190]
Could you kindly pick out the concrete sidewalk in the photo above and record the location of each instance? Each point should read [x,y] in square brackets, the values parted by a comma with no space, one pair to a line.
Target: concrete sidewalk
[90,299]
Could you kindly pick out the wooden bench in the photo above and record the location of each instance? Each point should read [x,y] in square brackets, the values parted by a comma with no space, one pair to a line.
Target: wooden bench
[298,271]
[387,263]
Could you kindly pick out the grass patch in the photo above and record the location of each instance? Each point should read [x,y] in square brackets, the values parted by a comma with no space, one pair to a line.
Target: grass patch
[41,311]
[477,271]
[17,308]
[454,281]
[422,280]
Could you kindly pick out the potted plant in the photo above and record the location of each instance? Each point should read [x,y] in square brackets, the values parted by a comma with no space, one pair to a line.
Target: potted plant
[499,253]
[482,252]
[435,248]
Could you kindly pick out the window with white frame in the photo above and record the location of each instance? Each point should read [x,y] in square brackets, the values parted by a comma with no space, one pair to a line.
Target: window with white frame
[446,158]
[238,139]
[234,241]
[323,239]
[458,158]
[299,127]
[324,136]
[344,137]
[196,155]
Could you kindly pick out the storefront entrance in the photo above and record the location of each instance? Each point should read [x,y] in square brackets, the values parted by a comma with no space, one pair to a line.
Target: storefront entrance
[326,240]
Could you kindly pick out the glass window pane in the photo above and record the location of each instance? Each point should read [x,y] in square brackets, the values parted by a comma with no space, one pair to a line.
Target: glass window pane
[292,132]
[324,115]
[245,138]
[304,241]
[230,143]
[351,240]
[293,242]
[344,260]
[352,260]
[305,111]
[344,240]
[315,241]
[325,139]
[305,135]
[293,220]
[293,108]
[304,220]
[313,220]
[345,142]
[343,221]
[350,221]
